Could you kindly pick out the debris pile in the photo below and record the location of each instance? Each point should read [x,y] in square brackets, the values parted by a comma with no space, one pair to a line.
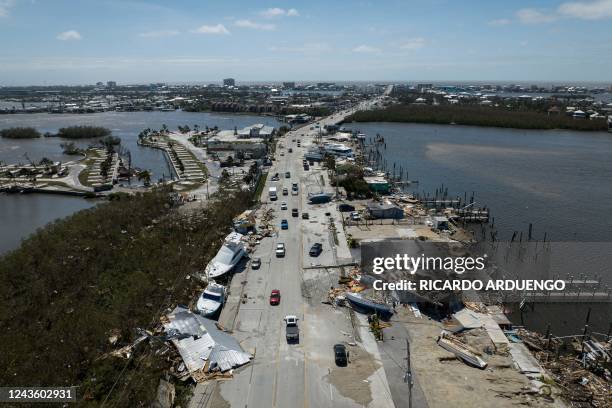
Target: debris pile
[206,351]
[581,368]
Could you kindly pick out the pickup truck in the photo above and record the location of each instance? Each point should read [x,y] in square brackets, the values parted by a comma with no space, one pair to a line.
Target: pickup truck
[291,329]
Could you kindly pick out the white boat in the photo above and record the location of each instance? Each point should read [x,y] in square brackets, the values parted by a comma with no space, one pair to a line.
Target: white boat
[211,300]
[231,252]
[461,350]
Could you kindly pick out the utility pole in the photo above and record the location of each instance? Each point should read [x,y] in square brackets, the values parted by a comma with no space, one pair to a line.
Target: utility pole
[408,374]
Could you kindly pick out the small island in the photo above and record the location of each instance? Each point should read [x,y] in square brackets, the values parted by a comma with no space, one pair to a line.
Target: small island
[83,132]
[20,133]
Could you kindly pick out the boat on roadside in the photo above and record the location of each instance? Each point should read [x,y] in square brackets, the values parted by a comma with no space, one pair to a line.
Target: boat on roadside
[367,306]
[211,300]
[319,198]
[314,155]
[229,255]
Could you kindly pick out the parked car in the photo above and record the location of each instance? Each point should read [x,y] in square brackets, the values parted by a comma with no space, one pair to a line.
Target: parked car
[290,150]
[340,355]
[283,205]
[306,167]
[275,177]
[305,216]
[316,249]
[280,250]
[345,207]
[285,191]
[284,224]
[355,216]
[275,297]
[256,263]
[288,174]
[294,212]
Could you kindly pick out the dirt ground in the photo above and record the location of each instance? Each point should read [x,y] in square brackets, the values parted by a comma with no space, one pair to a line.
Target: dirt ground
[350,381]
[443,378]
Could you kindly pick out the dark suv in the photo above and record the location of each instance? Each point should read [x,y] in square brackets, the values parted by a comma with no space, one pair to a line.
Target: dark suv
[316,249]
[340,355]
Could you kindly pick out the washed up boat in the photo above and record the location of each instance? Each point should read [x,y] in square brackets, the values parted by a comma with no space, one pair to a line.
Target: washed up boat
[320,198]
[229,255]
[364,305]
[211,300]
[461,350]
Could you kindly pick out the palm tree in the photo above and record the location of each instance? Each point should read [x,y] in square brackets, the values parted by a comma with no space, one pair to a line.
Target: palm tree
[145,176]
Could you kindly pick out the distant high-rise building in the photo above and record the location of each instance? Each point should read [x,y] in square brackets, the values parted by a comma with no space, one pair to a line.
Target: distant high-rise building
[111,84]
[229,82]
[289,85]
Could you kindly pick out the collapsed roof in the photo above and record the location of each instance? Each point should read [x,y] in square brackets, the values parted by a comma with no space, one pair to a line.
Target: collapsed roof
[201,344]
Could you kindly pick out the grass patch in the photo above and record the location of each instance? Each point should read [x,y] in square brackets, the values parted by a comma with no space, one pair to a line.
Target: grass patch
[261,183]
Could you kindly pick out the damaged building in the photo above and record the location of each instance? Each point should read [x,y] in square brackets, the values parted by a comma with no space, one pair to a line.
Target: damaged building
[203,347]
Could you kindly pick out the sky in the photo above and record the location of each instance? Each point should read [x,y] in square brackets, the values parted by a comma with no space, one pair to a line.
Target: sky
[49,42]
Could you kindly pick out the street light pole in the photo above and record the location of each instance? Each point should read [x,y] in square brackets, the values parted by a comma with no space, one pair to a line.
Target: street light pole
[408,374]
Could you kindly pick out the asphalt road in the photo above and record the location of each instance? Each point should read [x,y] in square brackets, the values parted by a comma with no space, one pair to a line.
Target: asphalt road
[292,375]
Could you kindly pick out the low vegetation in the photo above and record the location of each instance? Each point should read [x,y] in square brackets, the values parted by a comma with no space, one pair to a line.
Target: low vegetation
[106,270]
[350,177]
[20,133]
[83,132]
[476,115]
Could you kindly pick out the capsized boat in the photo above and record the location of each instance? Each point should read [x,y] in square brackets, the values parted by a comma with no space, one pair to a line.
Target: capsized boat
[211,300]
[461,350]
[368,306]
[231,252]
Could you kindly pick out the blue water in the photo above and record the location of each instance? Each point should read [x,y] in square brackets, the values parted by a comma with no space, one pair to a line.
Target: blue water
[561,181]
[21,215]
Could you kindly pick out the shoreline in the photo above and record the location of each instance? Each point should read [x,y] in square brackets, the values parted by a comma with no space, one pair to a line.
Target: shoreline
[479,117]
[356,122]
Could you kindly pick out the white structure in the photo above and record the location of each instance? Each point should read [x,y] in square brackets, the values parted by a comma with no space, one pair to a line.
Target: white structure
[338,149]
[211,300]
[231,252]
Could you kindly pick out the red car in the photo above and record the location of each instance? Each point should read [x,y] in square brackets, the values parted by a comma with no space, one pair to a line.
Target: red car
[275,297]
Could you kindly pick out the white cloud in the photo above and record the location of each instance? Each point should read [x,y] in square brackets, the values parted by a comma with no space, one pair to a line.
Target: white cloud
[70,35]
[499,22]
[254,25]
[279,12]
[587,10]
[159,33]
[308,48]
[413,43]
[534,16]
[211,29]
[5,6]
[365,49]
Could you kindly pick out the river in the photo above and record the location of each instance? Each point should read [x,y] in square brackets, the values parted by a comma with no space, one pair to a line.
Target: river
[20,215]
[560,181]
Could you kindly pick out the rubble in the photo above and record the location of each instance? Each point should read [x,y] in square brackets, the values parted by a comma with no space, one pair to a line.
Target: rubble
[206,351]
